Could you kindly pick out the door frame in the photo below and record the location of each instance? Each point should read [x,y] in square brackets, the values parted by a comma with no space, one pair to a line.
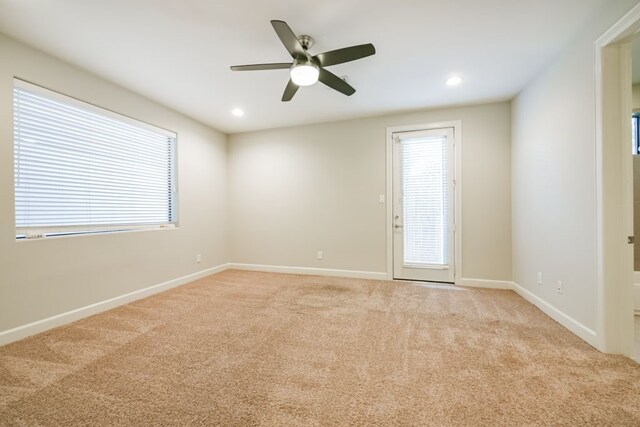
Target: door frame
[457,199]
[614,186]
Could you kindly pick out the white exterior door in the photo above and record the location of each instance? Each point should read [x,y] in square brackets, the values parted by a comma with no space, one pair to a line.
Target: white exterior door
[423,205]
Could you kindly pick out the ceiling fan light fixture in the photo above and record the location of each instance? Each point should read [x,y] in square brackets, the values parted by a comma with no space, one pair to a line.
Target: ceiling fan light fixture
[304,73]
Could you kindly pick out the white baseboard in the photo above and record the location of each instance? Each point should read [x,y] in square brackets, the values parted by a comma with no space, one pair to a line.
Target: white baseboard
[36,327]
[24,331]
[484,283]
[309,271]
[568,322]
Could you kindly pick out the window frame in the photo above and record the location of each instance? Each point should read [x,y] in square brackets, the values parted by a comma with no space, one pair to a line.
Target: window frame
[35,232]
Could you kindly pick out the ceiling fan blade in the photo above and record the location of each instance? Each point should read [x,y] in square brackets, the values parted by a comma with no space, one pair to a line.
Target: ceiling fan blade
[259,67]
[346,54]
[289,91]
[288,38]
[335,82]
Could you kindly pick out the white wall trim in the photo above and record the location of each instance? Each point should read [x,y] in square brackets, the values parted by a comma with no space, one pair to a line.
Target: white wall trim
[309,271]
[568,322]
[484,283]
[38,326]
[457,167]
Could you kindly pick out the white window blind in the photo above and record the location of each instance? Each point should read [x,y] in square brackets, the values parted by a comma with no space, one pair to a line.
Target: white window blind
[79,168]
[424,189]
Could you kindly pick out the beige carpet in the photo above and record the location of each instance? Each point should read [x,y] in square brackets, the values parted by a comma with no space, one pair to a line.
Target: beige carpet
[246,348]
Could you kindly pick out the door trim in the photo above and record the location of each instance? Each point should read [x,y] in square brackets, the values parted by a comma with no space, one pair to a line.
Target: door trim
[613,187]
[457,204]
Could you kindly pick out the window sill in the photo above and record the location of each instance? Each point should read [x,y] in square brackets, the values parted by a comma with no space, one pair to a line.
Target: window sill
[75,233]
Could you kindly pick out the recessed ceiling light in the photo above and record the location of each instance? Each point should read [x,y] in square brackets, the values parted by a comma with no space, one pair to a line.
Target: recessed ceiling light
[237,112]
[454,81]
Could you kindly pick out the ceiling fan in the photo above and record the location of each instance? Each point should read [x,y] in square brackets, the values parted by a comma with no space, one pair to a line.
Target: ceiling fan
[305,69]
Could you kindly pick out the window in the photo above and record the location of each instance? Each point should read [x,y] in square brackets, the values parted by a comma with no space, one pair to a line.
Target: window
[82,169]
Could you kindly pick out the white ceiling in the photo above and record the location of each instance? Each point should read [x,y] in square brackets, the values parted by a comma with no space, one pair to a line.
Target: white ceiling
[179,52]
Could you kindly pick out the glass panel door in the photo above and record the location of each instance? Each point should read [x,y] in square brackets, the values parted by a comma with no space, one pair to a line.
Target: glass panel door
[423,197]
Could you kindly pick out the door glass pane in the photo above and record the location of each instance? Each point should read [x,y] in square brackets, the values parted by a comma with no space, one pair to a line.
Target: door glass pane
[424,192]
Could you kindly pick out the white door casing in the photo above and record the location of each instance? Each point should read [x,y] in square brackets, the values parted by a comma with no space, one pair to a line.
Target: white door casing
[424,212]
[614,186]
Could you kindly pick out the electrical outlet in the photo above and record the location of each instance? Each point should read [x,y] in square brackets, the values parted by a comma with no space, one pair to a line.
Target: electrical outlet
[539,278]
[381,198]
[559,287]
[320,255]
[199,258]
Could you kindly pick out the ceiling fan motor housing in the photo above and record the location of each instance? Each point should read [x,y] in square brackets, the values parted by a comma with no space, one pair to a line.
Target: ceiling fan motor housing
[305,41]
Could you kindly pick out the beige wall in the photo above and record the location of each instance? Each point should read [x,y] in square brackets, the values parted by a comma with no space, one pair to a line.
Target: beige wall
[295,191]
[41,278]
[553,176]
[635,97]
